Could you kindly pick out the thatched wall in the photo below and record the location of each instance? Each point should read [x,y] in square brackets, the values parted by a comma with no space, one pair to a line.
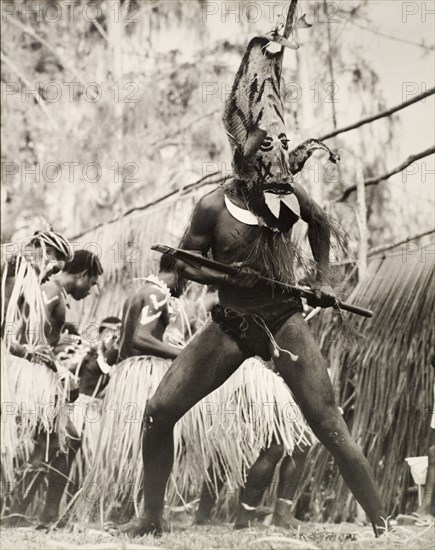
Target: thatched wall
[384,382]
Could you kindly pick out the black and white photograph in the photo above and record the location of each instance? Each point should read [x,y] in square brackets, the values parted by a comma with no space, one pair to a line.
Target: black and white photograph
[217,275]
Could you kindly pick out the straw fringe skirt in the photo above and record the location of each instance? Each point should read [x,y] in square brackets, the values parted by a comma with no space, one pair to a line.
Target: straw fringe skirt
[30,393]
[116,473]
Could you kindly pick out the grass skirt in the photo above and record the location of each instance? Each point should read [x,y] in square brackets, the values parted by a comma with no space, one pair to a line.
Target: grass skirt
[115,478]
[29,394]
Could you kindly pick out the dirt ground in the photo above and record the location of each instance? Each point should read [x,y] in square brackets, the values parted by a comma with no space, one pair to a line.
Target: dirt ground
[314,536]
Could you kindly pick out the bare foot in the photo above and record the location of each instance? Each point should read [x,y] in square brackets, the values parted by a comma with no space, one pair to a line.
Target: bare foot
[383,527]
[137,527]
[201,520]
[245,518]
[288,522]
[283,516]
[47,521]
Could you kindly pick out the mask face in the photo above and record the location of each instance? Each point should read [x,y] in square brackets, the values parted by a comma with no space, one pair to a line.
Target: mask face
[254,120]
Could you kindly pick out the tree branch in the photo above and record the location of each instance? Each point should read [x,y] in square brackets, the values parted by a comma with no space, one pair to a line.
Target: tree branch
[385,247]
[22,77]
[378,179]
[382,114]
[28,30]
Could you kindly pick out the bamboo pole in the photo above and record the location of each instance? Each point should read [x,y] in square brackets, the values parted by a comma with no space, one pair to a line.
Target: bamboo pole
[361,218]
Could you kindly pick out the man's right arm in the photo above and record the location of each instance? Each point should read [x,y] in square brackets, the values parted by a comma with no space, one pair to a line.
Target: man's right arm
[198,239]
[142,320]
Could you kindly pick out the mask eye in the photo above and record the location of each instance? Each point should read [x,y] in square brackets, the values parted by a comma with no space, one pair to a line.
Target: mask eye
[266,144]
[284,141]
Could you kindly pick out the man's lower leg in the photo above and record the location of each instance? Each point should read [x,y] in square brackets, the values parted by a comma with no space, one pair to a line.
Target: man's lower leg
[259,477]
[207,500]
[289,478]
[157,452]
[355,470]
[58,477]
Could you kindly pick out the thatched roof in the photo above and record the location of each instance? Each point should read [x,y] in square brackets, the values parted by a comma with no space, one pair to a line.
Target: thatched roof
[384,382]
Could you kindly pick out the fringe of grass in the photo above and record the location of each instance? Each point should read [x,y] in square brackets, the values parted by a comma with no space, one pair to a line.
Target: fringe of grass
[29,319]
[29,392]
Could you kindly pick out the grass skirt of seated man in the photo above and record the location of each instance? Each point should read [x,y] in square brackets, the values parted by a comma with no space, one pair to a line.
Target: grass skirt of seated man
[209,441]
[31,395]
[115,479]
[86,416]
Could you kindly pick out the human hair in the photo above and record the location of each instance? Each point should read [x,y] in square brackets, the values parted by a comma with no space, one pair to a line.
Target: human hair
[84,262]
[107,322]
[167,263]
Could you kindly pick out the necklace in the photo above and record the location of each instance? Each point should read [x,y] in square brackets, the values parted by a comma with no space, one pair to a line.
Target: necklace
[240,214]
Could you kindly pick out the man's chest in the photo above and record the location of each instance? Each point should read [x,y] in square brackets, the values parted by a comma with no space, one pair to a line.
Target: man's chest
[230,235]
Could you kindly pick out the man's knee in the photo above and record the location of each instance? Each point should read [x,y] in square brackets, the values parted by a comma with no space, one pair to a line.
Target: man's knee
[158,414]
[332,432]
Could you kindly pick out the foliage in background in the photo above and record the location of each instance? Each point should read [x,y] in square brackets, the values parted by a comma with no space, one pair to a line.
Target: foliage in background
[169,68]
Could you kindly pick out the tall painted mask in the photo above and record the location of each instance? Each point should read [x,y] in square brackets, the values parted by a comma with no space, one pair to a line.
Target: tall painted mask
[254,121]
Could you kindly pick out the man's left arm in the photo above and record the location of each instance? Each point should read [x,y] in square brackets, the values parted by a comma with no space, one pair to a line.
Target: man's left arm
[54,312]
[319,234]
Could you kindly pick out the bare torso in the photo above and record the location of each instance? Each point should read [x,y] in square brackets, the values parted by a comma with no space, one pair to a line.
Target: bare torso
[144,321]
[214,228]
[55,310]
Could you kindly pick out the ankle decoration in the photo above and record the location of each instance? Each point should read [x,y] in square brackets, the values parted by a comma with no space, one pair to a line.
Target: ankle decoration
[286,500]
[247,507]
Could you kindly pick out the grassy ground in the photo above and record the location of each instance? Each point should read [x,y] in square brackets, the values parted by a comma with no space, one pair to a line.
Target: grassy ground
[315,536]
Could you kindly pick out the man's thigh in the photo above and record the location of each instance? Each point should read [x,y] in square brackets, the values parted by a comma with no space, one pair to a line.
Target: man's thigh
[204,364]
[307,376]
